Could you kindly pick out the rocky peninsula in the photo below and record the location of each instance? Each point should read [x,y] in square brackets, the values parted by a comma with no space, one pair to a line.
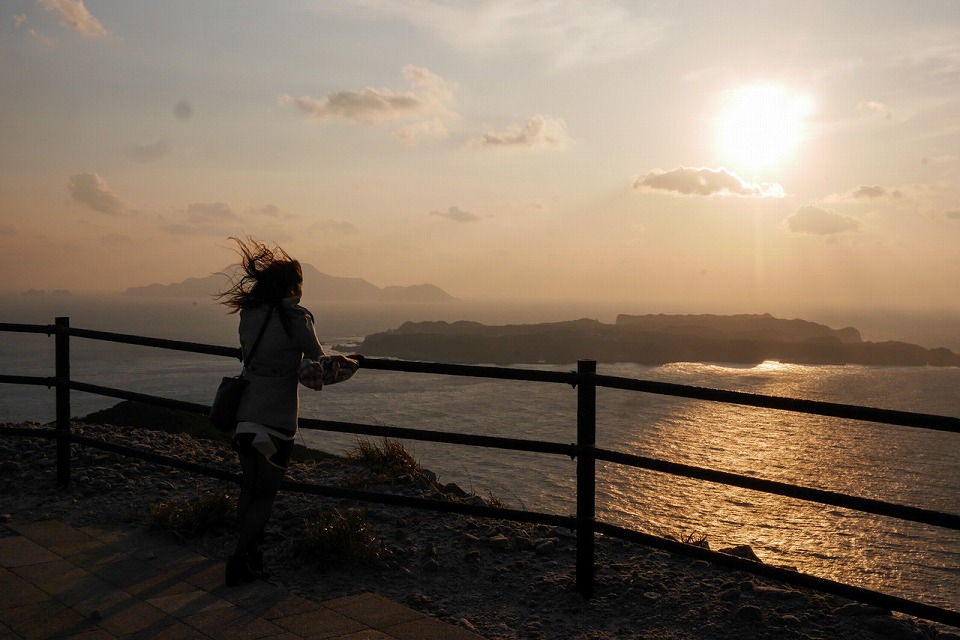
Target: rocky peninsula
[503,580]
[650,340]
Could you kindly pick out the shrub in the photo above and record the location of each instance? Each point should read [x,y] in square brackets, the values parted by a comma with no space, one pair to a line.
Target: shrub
[337,538]
[194,516]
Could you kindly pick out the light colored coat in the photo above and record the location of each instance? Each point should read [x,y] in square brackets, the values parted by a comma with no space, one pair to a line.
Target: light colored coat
[272,397]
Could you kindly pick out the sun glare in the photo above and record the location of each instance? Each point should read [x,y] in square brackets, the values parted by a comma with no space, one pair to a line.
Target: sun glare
[761,125]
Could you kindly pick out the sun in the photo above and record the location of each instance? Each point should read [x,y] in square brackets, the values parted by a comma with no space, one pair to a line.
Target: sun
[761,125]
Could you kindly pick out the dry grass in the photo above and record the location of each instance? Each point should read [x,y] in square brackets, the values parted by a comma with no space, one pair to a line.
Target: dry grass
[194,516]
[337,538]
[386,462]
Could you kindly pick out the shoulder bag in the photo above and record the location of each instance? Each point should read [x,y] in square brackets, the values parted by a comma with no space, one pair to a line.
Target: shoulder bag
[223,411]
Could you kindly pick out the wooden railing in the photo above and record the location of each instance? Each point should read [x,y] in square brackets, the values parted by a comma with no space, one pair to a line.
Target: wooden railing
[586,381]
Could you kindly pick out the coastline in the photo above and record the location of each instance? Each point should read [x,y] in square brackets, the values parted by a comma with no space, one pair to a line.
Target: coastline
[501,579]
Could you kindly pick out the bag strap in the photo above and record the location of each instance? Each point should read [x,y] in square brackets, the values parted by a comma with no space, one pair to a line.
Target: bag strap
[256,342]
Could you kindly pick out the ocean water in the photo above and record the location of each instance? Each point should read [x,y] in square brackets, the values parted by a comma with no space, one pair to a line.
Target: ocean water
[898,464]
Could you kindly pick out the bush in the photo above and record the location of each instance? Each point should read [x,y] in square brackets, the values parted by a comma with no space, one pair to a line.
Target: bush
[338,538]
[194,516]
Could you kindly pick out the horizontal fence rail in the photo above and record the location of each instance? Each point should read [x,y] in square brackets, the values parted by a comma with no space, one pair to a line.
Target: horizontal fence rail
[447,437]
[584,451]
[866,505]
[812,407]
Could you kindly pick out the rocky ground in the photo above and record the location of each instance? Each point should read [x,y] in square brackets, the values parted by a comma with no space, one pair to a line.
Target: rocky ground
[503,580]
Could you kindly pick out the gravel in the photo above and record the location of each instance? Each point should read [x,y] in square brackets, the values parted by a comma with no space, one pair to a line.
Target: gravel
[502,579]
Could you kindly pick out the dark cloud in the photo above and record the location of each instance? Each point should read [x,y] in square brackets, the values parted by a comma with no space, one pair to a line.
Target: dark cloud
[456,214]
[953,215]
[91,191]
[821,222]
[691,181]
[182,110]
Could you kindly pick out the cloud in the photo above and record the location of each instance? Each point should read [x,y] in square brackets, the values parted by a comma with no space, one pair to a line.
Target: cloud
[691,181]
[92,191]
[816,221]
[377,106]
[433,87]
[876,107]
[953,214]
[368,106]
[205,212]
[272,211]
[456,214]
[148,152]
[341,227]
[425,107]
[74,15]
[19,20]
[540,131]
[8,230]
[875,192]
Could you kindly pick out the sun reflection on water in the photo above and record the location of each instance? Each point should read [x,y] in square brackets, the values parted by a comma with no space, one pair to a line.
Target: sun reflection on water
[911,467]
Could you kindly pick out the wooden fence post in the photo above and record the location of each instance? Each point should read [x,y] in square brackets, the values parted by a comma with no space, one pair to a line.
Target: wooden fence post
[62,372]
[586,475]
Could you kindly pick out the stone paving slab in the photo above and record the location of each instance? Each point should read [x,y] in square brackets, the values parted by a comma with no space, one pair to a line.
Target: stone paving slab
[57,581]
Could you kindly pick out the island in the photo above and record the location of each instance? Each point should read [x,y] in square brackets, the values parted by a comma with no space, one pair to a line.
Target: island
[652,339]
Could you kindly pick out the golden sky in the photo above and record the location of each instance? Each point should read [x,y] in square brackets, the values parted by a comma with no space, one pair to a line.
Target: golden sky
[735,156]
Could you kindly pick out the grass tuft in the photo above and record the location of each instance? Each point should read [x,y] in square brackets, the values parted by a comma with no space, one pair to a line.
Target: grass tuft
[186,517]
[495,502]
[387,461]
[338,538]
[696,539]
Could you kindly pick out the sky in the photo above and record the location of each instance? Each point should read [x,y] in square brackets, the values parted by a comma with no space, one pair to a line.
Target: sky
[716,156]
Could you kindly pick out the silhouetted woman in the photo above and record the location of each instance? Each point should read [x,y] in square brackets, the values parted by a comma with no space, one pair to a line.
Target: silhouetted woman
[267,296]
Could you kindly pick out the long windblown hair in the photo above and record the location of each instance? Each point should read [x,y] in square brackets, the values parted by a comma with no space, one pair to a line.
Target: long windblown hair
[265,276]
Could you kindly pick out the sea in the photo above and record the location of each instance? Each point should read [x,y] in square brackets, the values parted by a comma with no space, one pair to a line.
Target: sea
[897,464]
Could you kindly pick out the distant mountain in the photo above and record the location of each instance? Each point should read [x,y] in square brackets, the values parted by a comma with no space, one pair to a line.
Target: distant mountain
[317,285]
[651,339]
[43,292]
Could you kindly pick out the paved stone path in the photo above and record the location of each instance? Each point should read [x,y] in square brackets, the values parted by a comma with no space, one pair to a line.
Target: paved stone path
[59,581]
